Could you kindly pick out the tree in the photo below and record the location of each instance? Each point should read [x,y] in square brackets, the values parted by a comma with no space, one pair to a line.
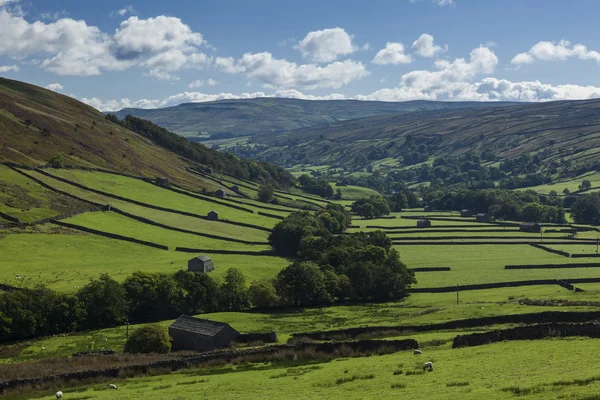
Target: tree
[301,284]
[153,296]
[287,235]
[148,339]
[105,302]
[263,294]
[585,185]
[369,207]
[57,161]
[233,294]
[200,290]
[586,209]
[566,191]
[338,194]
[266,193]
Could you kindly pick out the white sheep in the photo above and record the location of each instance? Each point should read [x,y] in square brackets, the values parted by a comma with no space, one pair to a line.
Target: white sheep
[112,386]
[428,366]
[58,394]
[417,351]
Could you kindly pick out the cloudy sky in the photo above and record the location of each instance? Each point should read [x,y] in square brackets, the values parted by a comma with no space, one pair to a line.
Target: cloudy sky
[154,53]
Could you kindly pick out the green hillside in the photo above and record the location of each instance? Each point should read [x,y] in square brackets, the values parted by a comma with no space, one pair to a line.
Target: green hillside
[271,115]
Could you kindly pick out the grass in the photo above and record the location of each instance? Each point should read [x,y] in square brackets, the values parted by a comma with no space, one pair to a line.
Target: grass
[493,372]
[354,192]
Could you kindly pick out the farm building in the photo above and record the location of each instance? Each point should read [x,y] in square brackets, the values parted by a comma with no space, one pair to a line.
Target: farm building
[235,189]
[212,215]
[530,227]
[201,264]
[189,333]
[466,213]
[483,217]
[220,193]
[423,223]
[208,170]
[162,181]
[428,208]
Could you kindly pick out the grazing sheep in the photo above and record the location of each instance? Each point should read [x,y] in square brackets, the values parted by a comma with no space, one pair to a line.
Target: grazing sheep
[112,386]
[58,394]
[345,371]
[417,351]
[428,366]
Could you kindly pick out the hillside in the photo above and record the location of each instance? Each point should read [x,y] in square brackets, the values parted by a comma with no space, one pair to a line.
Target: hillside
[270,115]
[554,130]
[37,124]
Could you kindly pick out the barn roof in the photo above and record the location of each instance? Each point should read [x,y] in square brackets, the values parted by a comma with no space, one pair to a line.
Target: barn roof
[529,224]
[196,325]
[203,258]
[482,215]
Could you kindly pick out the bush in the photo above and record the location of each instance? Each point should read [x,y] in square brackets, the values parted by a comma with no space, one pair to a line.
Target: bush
[148,339]
[57,161]
[262,294]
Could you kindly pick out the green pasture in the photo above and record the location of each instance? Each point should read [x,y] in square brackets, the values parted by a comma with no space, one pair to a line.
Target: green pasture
[28,201]
[576,249]
[532,369]
[136,189]
[500,234]
[354,192]
[485,264]
[571,184]
[66,259]
[163,217]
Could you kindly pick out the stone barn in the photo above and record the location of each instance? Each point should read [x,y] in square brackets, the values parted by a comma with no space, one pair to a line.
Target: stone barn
[530,227]
[212,215]
[235,189]
[162,182]
[483,217]
[201,264]
[423,223]
[220,193]
[428,208]
[466,213]
[208,170]
[189,333]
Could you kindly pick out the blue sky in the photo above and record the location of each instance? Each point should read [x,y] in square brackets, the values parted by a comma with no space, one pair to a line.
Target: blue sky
[114,54]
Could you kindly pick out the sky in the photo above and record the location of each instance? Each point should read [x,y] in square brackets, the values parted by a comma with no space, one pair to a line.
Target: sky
[114,54]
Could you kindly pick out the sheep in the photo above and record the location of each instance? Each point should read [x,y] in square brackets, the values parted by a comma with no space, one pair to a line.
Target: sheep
[112,386]
[428,366]
[417,351]
[58,394]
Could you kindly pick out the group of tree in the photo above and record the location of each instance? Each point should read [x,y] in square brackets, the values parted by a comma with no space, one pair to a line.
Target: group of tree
[333,267]
[320,187]
[586,209]
[374,206]
[258,171]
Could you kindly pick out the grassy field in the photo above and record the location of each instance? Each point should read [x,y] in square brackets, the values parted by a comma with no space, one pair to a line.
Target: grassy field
[571,184]
[496,371]
[354,192]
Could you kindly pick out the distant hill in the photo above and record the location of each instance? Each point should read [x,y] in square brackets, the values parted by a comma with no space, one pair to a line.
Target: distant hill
[563,131]
[246,117]
[37,124]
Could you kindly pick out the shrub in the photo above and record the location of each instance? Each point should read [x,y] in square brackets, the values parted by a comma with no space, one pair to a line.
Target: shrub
[148,339]
[262,294]
[57,161]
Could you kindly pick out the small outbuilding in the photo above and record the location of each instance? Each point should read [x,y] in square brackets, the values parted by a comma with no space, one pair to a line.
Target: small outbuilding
[189,333]
[208,170]
[212,215]
[530,227]
[483,217]
[466,213]
[423,223]
[428,208]
[220,193]
[201,265]
[162,182]
[235,189]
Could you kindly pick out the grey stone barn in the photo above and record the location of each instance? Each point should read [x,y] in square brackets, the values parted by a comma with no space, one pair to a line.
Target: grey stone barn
[466,213]
[423,223]
[220,193]
[189,333]
[483,217]
[201,264]
[212,215]
[235,189]
[428,208]
[531,227]
[162,181]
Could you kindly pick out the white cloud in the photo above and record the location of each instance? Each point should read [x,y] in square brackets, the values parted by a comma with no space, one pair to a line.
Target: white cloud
[211,82]
[162,75]
[5,2]
[281,73]
[69,47]
[424,46]
[555,51]
[287,41]
[196,84]
[57,87]
[393,53]
[326,45]
[443,2]
[8,68]
[124,11]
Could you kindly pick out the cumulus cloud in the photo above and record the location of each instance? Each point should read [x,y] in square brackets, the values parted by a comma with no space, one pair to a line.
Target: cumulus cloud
[393,53]
[211,82]
[5,2]
[57,87]
[424,46]
[326,45]
[555,51]
[443,2]
[8,68]
[124,11]
[196,84]
[69,47]
[280,73]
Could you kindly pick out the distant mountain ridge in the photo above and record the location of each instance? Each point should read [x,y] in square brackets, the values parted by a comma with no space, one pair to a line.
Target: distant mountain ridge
[249,117]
